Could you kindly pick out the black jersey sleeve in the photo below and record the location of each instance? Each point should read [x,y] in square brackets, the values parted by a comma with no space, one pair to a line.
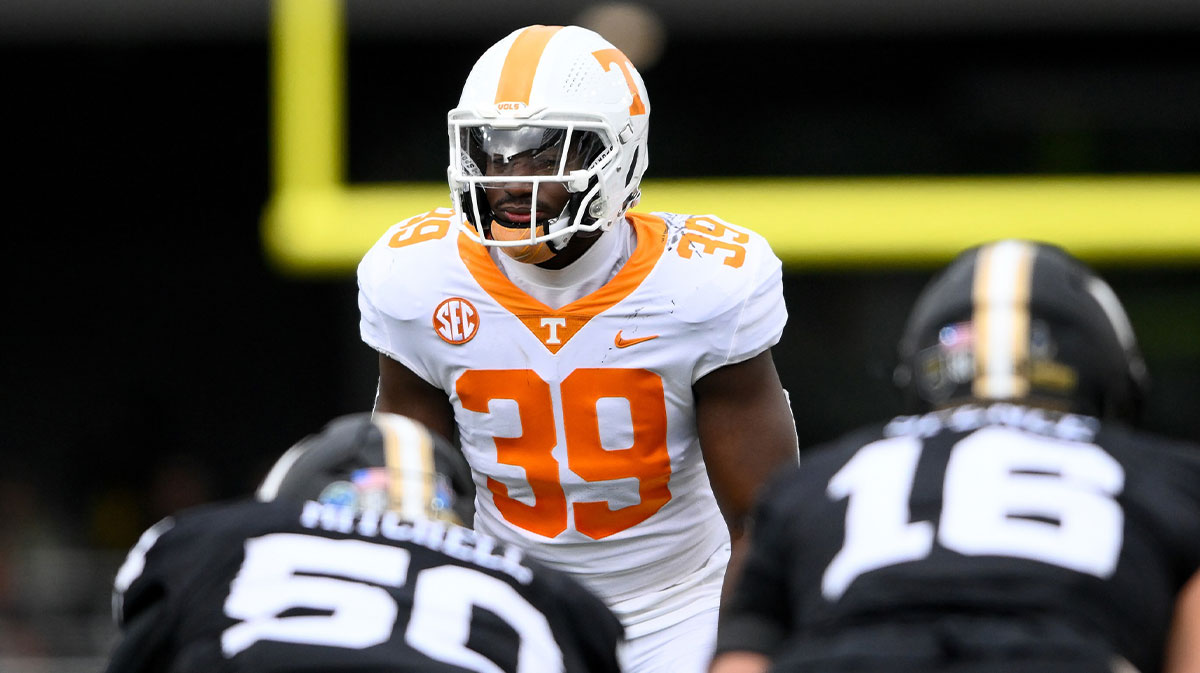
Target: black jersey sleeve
[143,593]
[142,640]
[140,605]
[1180,479]
[153,585]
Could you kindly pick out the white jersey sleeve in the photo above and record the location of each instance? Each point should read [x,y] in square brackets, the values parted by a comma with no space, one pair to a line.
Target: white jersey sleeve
[737,289]
[394,282]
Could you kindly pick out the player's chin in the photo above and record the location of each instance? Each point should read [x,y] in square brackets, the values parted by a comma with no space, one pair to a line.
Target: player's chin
[529,254]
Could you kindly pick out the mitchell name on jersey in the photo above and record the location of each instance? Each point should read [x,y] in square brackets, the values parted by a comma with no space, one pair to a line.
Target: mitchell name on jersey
[288,586]
[582,415]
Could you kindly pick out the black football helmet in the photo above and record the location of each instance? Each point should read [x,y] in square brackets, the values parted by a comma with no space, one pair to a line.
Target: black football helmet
[376,462]
[1021,321]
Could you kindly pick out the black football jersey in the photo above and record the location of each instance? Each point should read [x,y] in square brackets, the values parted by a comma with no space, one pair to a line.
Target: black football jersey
[987,534]
[274,587]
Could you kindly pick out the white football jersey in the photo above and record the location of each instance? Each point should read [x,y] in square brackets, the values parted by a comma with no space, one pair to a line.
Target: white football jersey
[579,422]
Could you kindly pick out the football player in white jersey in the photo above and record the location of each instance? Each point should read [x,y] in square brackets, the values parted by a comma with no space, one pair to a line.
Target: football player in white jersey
[607,373]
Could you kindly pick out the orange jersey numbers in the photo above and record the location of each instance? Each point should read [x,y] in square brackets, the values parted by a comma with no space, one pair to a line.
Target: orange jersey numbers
[425,228]
[710,234]
[646,460]
[476,388]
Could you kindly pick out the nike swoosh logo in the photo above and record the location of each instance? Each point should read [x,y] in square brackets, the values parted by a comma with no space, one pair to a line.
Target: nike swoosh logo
[626,343]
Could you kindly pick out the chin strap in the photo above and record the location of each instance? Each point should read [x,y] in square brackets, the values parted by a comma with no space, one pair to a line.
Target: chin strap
[558,224]
[558,244]
[594,209]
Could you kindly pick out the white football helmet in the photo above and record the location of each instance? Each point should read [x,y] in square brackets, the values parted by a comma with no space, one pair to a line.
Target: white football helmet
[549,104]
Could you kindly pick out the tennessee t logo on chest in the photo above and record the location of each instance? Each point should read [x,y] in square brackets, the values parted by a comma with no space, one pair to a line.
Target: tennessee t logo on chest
[554,331]
[552,326]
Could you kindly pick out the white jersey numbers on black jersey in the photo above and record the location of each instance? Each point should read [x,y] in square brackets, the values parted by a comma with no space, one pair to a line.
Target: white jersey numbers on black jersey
[1005,493]
[313,590]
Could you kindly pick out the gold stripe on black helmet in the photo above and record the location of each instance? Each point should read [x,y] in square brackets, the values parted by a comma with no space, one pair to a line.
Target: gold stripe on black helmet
[1021,321]
[1003,276]
[376,461]
[408,457]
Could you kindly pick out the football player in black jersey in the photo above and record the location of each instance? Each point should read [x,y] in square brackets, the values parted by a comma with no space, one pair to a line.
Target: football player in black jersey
[1017,523]
[351,558]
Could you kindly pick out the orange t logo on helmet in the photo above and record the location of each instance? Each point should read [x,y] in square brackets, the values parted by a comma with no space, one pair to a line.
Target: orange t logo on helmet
[607,57]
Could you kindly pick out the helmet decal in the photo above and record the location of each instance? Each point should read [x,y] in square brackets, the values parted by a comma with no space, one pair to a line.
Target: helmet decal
[340,493]
[365,490]
[950,362]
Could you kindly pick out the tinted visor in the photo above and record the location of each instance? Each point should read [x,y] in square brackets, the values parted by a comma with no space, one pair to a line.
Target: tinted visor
[529,150]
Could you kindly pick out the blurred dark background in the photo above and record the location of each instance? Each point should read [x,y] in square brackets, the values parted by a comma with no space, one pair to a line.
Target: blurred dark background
[152,357]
